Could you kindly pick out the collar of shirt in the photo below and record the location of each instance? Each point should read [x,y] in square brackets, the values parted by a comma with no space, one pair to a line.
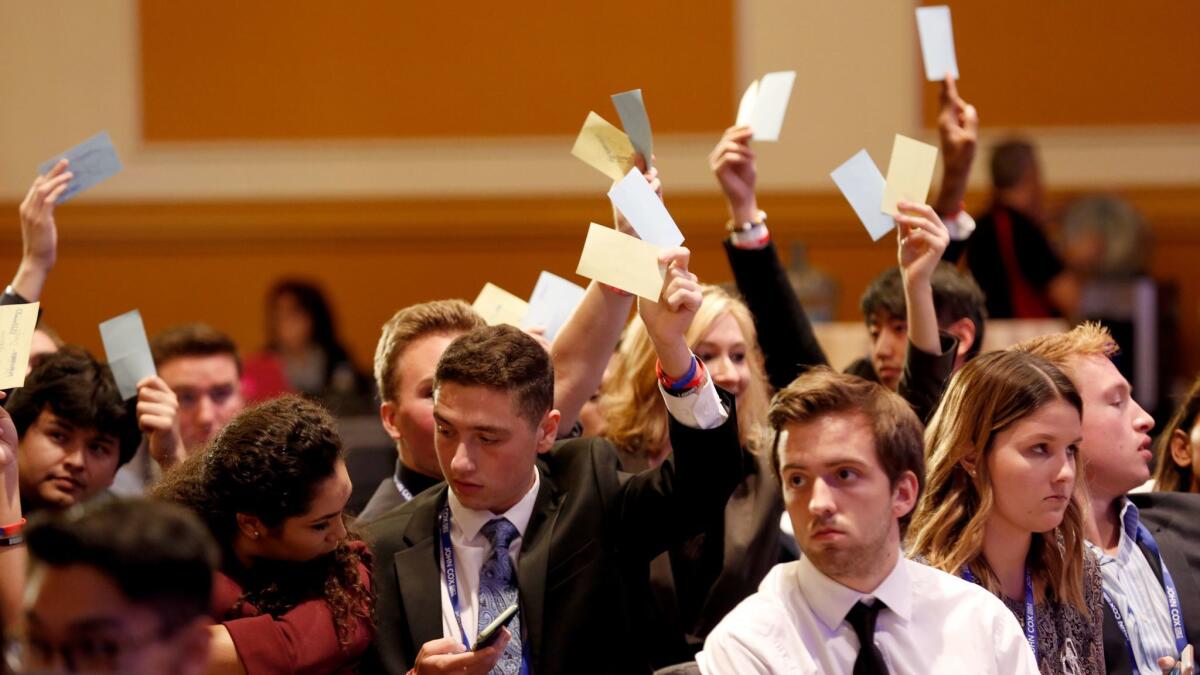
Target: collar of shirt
[470,521]
[1126,544]
[831,601]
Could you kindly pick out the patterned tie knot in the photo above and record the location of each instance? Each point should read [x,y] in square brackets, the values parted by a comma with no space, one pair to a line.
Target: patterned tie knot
[500,532]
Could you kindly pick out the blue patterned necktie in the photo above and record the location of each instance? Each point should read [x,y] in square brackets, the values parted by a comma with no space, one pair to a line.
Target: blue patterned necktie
[498,591]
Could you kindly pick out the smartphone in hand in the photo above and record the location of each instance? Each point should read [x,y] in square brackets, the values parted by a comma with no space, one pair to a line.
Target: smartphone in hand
[492,631]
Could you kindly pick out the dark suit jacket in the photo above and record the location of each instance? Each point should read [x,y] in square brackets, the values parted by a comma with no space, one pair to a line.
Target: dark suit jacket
[1174,520]
[584,558]
[790,347]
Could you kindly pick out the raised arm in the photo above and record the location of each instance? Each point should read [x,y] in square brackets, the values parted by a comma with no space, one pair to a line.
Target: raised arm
[785,334]
[39,233]
[12,554]
[586,342]
[958,129]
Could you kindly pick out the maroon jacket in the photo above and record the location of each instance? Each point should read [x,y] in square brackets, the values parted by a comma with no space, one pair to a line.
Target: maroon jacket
[302,641]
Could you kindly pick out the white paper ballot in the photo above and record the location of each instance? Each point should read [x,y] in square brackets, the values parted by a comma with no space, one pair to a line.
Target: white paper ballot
[128,351]
[937,42]
[645,211]
[551,304]
[635,121]
[764,104]
[746,106]
[862,185]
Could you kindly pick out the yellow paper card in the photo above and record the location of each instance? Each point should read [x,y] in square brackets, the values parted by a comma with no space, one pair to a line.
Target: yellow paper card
[604,147]
[498,306]
[910,173]
[619,260]
[16,337]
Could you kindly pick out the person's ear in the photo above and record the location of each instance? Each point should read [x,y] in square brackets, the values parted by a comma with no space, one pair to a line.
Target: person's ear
[251,527]
[387,413]
[547,431]
[904,495]
[1181,449]
[968,465]
[964,329]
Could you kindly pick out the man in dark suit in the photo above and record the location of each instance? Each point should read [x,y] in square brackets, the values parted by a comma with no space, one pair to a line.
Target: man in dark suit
[553,527]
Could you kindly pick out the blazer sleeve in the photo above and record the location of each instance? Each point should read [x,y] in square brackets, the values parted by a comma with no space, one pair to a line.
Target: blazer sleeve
[302,641]
[784,332]
[925,376]
[661,507]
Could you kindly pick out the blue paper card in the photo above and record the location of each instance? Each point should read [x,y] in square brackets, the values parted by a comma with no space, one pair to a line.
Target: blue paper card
[92,161]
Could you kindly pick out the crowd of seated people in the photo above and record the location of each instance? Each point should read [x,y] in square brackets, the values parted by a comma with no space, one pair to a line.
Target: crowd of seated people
[690,490]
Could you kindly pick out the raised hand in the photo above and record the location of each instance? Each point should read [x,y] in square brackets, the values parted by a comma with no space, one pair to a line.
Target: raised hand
[668,320]
[39,233]
[732,161]
[922,240]
[158,418]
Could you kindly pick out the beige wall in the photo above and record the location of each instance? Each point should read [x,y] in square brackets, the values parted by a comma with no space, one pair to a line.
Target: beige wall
[69,68]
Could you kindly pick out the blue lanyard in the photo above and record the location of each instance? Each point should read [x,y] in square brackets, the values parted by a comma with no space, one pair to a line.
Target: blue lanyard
[447,553]
[1143,536]
[1031,633]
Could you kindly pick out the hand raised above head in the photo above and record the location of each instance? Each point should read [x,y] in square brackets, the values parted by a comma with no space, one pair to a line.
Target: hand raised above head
[732,162]
[668,320]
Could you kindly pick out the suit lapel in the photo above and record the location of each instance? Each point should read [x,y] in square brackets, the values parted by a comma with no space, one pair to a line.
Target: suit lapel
[531,568]
[419,575]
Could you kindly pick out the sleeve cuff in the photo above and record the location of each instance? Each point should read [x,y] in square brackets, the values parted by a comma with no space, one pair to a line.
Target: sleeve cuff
[961,226]
[700,408]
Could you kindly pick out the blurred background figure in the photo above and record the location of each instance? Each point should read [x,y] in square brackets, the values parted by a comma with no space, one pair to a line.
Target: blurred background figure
[304,354]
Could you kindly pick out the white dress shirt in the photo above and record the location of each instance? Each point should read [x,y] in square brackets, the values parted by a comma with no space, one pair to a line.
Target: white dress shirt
[934,623]
[1131,584]
[700,408]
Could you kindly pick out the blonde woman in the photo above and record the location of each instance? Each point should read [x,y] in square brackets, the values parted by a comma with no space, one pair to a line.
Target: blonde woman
[1003,507]
[694,586]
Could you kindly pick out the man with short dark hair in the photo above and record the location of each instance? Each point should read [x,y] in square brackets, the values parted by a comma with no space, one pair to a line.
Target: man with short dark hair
[74,429]
[580,535]
[196,393]
[120,587]
[851,459]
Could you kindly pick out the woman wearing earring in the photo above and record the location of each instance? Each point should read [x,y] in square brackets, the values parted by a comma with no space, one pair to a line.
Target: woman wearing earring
[293,595]
[1003,509]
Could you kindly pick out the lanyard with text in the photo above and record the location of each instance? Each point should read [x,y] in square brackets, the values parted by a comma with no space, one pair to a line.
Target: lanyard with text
[1031,633]
[1143,536]
[447,553]
[404,492]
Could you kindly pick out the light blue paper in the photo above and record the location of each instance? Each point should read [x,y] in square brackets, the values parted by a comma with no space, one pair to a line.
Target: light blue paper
[128,351]
[862,185]
[635,121]
[92,161]
[551,304]
[937,42]
[645,211]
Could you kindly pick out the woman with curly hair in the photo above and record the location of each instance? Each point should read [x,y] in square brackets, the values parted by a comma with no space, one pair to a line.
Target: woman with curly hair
[695,585]
[1003,507]
[293,595]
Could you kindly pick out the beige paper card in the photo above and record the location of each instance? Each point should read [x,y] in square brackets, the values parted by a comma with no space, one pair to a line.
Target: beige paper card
[498,306]
[619,260]
[604,147]
[910,172]
[16,337]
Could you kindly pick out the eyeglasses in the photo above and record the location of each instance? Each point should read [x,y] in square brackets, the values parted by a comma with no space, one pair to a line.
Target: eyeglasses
[91,653]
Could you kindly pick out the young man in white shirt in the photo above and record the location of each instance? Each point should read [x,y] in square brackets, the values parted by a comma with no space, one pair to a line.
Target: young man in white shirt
[851,458]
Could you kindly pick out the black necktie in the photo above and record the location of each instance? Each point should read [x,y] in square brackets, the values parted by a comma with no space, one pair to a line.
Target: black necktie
[862,619]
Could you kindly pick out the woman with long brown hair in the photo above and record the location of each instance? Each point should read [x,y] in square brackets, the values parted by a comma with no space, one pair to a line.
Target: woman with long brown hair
[695,585]
[294,590]
[1004,504]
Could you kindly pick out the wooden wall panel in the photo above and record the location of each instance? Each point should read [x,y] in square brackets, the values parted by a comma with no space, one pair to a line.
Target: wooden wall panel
[311,69]
[1031,63]
[214,262]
